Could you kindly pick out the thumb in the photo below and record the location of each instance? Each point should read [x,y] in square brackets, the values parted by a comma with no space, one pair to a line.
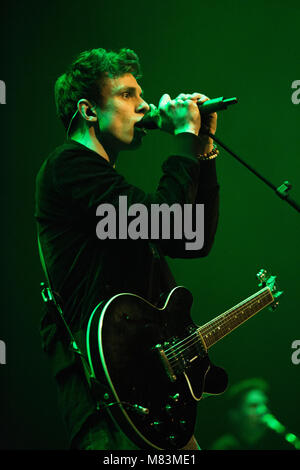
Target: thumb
[164,100]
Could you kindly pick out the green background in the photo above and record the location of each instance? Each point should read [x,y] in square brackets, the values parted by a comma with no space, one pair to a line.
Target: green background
[248,49]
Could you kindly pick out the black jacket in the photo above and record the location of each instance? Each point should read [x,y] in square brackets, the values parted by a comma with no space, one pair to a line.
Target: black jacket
[71,184]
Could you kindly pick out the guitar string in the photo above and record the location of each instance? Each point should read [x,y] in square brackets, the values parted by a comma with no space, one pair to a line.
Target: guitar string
[251,301]
[174,354]
[177,350]
[222,319]
[226,316]
[192,339]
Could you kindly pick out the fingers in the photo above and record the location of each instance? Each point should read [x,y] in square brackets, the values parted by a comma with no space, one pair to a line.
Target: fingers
[164,100]
[179,115]
[188,96]
[197,97]
[166,103]
[181,112]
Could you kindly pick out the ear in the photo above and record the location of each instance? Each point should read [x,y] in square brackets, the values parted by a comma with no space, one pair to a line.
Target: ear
[87,111]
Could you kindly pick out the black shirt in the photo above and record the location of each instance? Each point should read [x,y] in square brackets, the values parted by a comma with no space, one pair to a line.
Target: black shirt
[72,182]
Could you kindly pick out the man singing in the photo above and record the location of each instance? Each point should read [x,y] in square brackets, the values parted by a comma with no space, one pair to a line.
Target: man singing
[99,101]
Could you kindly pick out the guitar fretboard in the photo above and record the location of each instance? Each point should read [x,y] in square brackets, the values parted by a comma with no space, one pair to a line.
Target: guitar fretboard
[222,325]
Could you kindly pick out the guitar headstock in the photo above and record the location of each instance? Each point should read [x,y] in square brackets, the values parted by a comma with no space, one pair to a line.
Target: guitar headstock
[270,282]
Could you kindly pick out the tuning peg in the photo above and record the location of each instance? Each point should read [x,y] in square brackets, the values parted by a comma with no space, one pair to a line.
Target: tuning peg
[275,304]
[262,276]
[271,284]
[277,294]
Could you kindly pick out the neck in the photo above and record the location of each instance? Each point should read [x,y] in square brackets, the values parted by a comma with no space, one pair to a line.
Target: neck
[89,139]
[220,326]
[250,434]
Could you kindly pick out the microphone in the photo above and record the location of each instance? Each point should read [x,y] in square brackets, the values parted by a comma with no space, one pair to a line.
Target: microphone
[271,422]
[150,120]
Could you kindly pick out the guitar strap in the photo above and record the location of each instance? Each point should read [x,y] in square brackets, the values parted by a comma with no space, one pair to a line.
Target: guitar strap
[160,276]
[55,311]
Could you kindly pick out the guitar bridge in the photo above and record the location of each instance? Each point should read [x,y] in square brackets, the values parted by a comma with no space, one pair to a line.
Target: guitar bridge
[165,362]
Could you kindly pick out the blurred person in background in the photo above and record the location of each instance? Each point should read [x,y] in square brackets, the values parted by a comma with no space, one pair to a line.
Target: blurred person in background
[250,424]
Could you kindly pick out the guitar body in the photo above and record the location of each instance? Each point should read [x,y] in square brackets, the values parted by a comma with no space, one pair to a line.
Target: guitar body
[154,368]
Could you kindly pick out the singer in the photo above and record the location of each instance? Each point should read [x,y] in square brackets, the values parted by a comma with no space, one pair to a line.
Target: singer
[246,405]
[99,101]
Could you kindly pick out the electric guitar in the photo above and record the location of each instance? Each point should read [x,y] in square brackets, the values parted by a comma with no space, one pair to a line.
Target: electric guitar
[155,361]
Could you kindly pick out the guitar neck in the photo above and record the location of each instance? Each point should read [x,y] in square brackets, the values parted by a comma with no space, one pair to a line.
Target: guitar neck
[222,325]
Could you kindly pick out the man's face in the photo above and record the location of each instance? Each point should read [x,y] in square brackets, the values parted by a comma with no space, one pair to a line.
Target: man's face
[254,405]
[247,416]
[123,106]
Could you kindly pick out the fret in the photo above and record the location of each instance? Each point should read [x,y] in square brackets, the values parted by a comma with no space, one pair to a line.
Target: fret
[222,325]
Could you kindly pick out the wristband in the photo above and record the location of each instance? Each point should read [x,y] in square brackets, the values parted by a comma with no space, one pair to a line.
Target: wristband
[210,155]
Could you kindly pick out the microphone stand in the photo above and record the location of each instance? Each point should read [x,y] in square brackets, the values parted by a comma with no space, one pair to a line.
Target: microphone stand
[217,104]
[281,191]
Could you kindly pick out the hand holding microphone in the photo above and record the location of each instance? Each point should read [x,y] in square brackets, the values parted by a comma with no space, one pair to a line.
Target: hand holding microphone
[207,108]
[209,118]
[178,115]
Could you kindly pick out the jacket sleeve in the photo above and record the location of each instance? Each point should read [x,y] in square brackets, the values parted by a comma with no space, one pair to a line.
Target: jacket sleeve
[85,180]
[208,195]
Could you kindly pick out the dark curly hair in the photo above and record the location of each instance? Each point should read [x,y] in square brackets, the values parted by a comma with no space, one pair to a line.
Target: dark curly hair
[84,77]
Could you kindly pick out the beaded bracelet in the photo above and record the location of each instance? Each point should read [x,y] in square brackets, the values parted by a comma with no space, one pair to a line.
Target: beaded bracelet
[210,155]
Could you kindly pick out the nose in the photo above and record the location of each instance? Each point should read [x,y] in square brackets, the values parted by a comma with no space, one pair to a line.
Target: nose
[143,107]
[261,409]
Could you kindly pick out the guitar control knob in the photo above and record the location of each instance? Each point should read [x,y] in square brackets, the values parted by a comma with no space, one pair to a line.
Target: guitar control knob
[175,397]
[156,425]
[182,424]
[172,438]
[169,409]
